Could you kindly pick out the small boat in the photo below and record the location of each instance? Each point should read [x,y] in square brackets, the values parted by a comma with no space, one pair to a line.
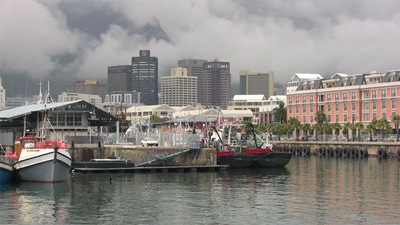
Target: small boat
[42,160]
[6,169]
[6,165]
[104,163]
[262,156]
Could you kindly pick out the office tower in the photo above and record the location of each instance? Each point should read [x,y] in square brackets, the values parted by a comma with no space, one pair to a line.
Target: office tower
[90,87]
[119,78]
[179,89]
[145,77]
[215,84]
[194,66]
[252,83]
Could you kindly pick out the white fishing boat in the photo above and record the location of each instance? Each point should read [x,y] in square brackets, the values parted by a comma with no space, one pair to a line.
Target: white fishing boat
[42,160]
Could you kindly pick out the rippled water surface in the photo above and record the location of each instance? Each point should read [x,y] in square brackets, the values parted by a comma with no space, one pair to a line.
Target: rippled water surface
[308,191]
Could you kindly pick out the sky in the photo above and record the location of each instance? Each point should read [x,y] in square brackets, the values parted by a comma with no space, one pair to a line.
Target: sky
[62,41]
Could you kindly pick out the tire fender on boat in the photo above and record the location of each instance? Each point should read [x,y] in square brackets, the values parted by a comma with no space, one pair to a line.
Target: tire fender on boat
[345,151]
[354,152]
[382,153]
[298,150]
[329,151]
[305,150]
[338,151]
[363,152]
[321,151]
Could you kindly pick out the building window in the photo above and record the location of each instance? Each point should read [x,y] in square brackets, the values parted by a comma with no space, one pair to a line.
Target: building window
[304,119]
[297,100]
[344,96]
[394,104]
[297,109]
[311,98]
[373,116]
[373,105]
[78,119]
[70,119]
[336,96]
[337,118]
[290,100]
[329,118]
[366,94]
[353,106]
[383,93]
[365,105]
[383,115]
[393,114]
[353,95]
[311,118]
[328,96]
[393,92]
[345,117]
[373,93]
[61,119]
[366,116]
[337,107]
[345,107]
[329,108]
[304,99]
[383,104]
[290,110]
[304,109]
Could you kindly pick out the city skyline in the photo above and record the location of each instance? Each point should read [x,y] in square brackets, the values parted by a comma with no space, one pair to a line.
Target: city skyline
[77,40]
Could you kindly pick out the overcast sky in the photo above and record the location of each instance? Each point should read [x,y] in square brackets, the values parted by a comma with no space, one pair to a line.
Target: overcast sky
[69,40]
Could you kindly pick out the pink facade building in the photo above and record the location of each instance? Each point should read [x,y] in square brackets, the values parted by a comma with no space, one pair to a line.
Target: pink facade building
[347,98]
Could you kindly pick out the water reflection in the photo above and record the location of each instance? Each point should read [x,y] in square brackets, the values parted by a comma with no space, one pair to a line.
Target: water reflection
[31,202]
[309,190]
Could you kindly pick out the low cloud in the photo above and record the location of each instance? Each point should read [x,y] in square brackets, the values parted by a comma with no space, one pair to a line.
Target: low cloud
[70,40]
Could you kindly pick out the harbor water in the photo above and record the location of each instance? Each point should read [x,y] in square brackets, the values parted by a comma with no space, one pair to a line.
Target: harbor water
[309,190]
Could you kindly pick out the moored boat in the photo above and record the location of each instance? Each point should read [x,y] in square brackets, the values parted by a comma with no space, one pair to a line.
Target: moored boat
[6,165]
[6,170]
[42,160]
[261,156]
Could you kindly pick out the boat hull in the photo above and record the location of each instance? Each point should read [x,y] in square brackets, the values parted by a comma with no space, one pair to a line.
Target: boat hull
[46,165]
[269,160]
[6,171]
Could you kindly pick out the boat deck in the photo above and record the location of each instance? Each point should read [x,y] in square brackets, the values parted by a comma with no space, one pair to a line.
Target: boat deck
[147,169]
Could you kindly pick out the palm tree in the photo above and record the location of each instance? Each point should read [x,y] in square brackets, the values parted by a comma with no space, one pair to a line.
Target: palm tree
[280,112]
[320,117]
[371,128]
[306,129]
[396,120]
[383,125]
[336,128]
[326,128]
[359,127]
[296,125]
[346,127]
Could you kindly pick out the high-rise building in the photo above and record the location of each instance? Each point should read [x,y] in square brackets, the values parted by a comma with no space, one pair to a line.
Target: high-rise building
[90,87]
[179,89]
[119,78]
[256,83]
[145,77]
[215,84]
[194,66]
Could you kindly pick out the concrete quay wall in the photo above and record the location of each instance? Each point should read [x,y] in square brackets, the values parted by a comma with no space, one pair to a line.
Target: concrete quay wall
[314,147]
[139,154]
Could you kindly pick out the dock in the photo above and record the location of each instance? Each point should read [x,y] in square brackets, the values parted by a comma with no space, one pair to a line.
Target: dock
[153,169]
